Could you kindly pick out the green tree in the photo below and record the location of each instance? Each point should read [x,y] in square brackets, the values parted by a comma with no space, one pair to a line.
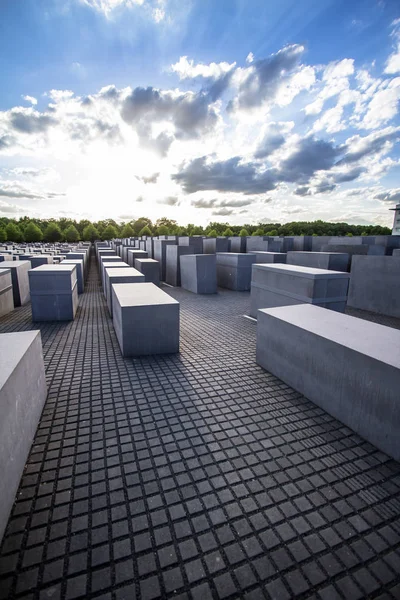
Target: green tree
[127,231]
[145,231]
[162,230]
[212,233]
[109,233]
[33,233]
[243,233]
[90,233]
[13,233]
[228,232]
[71,234]
[197,231]
[3,235]
[140,223]
[53,232]
[272,233]
[258,231]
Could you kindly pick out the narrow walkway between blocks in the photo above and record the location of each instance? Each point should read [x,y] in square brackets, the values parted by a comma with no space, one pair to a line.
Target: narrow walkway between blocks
[195,476]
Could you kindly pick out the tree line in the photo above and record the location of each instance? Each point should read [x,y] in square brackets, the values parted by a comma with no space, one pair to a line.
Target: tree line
[68,230]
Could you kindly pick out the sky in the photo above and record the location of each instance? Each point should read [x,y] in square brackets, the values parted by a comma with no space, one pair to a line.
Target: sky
[239,111]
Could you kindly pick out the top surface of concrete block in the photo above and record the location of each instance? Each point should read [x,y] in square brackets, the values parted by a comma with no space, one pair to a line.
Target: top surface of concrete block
[143,294]
[15,264]
[125,272]
[52,270]
[13,346]
[366,337]
[308,272]
[146,261]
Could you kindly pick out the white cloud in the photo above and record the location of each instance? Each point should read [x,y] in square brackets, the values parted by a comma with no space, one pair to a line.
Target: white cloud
[188,69]
[107,6]
[383,106]
[30,99]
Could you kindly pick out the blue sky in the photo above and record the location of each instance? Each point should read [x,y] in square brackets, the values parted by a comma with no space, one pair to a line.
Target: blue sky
[200,110]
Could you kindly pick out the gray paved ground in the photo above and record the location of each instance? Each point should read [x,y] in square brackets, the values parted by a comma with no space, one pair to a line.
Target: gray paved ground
[192,476]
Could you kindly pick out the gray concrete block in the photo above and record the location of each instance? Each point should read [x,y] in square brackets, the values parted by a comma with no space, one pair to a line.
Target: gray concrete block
[347,366]
[302,243]
[6,292]
[146,319]
[134,254]
[396,252]
[317,242]
[40,259]
[258,243]
[150,268]
[375,284]
[149,247]
[280,245]
[54,292]
[22,396]
[214,245]
[80,273]
[199,273]
[195,241]
[111,263]
[118,275]
[268,257]
[333,261]
[285,285]
[237,244]
[234,270]
[351,250]
[20,281]
[172,263]
[160,254]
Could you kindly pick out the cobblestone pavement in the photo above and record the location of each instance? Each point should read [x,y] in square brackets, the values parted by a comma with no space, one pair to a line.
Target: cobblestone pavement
[196,476]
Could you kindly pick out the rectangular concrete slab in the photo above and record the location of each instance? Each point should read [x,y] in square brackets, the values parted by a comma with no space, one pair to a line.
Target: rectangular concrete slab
[347,366]
[332,261]
[172,263]
[285,285]
[20,282]
[6,292]
[146,319]
[80,273]
[54,292]
[214,245]
[375,284]
[269,257]
[150,268]
[234,270]
[133,254]
[117,275]
[199,273]
[22,396]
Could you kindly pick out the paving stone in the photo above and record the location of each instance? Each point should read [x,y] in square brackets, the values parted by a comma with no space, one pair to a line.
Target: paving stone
[197,472]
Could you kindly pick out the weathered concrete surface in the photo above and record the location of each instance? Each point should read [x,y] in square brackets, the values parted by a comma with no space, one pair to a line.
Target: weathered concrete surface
[6,292]
[173,264]
[347,366]
[285,285]
[234,270]
[269,257]
[22,396]
[332,261]
[54,292]
[150,268]
[199,273]
[20,281]
[375,284]
[146,319]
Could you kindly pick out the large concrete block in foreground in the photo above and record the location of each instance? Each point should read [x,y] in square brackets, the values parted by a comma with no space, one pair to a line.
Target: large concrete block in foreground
[199,273]
[214,245]
[150,268]
[146,319]
[22,396]
[172,263]
[375,285]
[80,272]
[234,270]
[6,292]
[285,285]
[347,366]
[20,281]
[117,275]
[54,292]
[268,257]
[333,261]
